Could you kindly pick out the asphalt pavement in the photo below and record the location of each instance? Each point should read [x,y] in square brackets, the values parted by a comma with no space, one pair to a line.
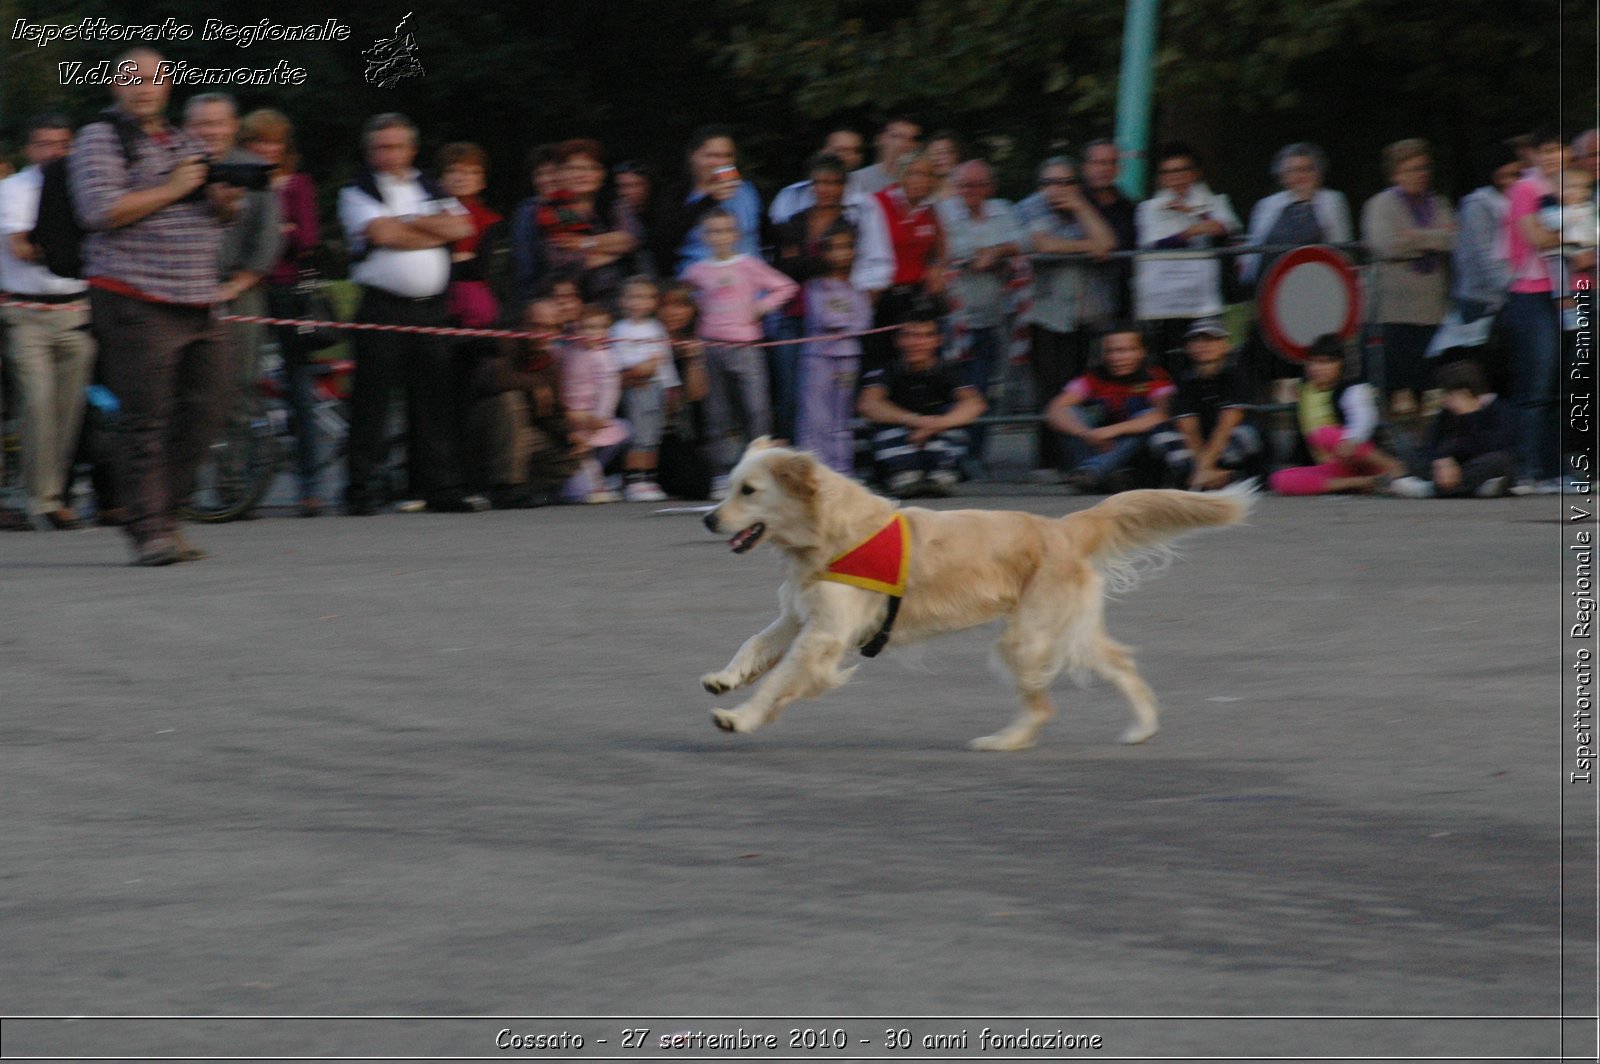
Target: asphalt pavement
[460,765]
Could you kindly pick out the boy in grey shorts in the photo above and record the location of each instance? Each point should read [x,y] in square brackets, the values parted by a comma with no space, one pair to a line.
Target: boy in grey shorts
[651,388]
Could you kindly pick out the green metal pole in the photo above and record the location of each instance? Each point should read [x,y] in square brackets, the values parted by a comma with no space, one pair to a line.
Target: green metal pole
[1133,93]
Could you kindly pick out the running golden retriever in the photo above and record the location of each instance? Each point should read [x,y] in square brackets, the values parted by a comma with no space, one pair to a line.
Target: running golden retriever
[1046,578]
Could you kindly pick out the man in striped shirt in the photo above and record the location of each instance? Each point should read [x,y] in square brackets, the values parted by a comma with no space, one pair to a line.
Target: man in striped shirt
[154,236]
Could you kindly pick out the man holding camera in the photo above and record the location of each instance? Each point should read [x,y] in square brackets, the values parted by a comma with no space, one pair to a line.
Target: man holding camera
[139,187]
[249,245]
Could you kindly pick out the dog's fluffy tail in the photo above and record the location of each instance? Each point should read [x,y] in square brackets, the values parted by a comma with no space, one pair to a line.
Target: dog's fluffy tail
[1131,533]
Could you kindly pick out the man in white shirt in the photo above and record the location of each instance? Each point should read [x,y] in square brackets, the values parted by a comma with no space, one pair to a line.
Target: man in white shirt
[399,226]
[898,137]
[981,236]
[843,144]
[51,351]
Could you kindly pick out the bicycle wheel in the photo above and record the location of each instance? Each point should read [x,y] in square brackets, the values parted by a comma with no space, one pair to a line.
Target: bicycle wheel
[241,466]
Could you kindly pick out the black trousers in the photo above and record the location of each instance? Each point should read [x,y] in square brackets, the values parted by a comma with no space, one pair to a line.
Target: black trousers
[424,367]
[1055,359]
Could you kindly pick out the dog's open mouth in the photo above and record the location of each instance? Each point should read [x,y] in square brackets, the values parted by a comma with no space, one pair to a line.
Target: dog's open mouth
[744,540]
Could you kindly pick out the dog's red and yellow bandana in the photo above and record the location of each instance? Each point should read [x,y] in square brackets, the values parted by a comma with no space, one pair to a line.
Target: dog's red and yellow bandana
[878,563]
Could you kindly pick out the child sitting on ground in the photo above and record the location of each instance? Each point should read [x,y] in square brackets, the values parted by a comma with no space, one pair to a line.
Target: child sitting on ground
[1110,413]
[919,408]
[1210,439]
[590,388]
[829,367]
[651,389]
[1337,419]
[1473,442]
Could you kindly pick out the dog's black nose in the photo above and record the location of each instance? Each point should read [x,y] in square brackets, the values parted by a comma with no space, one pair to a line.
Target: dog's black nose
[711,521]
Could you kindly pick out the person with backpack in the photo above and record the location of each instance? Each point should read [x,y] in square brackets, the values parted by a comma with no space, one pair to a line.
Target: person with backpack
[51,353]
[140,189]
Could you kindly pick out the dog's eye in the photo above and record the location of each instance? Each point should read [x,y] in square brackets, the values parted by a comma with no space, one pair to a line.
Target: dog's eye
[747,490]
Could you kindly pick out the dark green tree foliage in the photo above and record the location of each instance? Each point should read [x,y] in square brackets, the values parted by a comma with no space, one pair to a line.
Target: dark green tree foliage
[1236,78]
[1020,78]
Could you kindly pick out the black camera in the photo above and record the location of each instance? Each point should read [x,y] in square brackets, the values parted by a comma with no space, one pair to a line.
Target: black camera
[252,177]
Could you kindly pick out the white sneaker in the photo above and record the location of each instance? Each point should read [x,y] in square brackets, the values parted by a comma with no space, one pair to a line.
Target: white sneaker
[1492,488]
[905,482]
[1411,488]
[643,491]
[1552,486]
[719,487]
[943,481]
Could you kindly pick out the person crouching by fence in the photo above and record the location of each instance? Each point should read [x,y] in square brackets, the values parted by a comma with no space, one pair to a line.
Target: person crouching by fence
[1210,439]
[1337,419]
[1110,413]
[520,423]
[1472,444]
[591,387]
[920,408]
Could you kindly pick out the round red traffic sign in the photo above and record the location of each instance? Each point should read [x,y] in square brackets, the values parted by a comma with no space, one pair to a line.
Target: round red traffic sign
[1308,292]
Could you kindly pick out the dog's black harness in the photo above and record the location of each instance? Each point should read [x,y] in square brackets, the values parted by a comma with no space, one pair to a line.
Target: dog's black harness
[871,647]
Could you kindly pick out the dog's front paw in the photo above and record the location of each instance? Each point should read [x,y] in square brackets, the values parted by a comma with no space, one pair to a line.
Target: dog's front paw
[717,682]
[1001,741]
[1138,733]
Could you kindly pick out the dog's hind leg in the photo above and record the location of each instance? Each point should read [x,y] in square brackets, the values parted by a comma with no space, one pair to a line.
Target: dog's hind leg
[758,654]
[810,667]
[1032,658]
[1115,665]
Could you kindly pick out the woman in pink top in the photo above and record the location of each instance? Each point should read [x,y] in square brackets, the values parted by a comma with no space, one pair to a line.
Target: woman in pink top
[734,292]
[1530,318]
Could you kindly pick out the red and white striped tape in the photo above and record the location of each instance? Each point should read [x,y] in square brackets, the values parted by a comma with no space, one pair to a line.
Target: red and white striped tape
[452,331]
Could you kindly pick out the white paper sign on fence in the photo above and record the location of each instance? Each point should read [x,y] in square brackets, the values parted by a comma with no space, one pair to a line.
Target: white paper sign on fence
[1186,287]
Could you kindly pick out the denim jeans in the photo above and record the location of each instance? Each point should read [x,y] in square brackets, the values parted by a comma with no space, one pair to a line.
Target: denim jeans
[284,302]
[783,374]
[1102,464]
[1530,318]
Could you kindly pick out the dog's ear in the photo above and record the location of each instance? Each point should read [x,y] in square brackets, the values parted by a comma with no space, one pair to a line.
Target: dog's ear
[796,474]
[760,443]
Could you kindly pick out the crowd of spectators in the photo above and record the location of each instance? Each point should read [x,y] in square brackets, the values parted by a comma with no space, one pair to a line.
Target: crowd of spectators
[681,319]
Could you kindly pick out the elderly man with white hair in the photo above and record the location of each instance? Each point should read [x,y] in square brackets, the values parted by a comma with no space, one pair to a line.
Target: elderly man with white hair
[981,235]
